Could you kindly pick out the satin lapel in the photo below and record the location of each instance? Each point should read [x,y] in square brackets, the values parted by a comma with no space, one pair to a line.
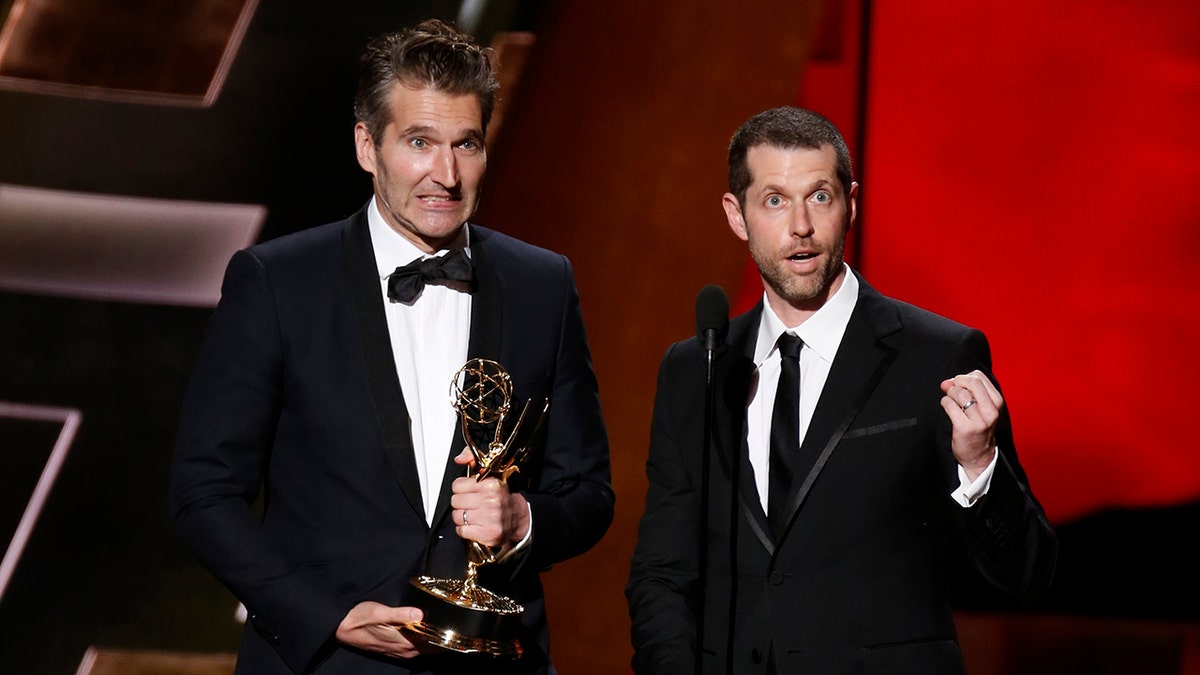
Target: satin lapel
[484,343]
[861,362]
[734,373]
[390,410]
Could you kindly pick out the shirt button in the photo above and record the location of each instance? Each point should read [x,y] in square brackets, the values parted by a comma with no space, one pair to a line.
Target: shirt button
[777,578]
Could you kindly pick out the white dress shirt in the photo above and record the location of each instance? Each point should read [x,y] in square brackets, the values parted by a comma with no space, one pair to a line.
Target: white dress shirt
[429,342]
[822,335]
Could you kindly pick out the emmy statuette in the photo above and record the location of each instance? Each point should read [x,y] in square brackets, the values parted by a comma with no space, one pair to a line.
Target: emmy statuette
[461,615]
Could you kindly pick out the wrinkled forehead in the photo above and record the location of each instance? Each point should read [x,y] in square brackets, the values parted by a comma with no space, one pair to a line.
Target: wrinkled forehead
[431,107]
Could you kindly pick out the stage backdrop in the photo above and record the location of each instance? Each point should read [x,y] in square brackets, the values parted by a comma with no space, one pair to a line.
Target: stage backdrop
[1032,173]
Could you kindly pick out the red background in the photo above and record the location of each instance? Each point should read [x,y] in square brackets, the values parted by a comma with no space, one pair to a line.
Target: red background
[1031,173]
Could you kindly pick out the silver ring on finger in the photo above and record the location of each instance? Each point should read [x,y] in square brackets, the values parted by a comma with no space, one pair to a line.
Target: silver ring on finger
[465,518]
[964,409]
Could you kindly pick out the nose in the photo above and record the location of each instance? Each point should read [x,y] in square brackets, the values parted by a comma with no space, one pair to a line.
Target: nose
[445,168]
[800,223]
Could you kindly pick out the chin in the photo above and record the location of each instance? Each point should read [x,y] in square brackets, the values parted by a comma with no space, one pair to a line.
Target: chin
[443,227]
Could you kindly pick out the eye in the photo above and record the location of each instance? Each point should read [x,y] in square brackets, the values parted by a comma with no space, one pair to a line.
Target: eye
[774,200]
[822,197]
[418,143]
[469,145]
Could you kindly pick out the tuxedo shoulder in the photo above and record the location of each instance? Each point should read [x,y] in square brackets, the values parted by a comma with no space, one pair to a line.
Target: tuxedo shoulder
[919,326]
[509,249]
[687,350]
[884,311]
[919,318]
[321,239]
[741,329]
[520,263]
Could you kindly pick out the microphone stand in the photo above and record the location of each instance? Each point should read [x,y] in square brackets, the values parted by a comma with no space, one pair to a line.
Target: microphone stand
[710,339]
[735,477]
[712,320]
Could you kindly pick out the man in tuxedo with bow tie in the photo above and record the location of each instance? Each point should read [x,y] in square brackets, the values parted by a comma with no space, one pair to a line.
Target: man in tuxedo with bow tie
[861,453]
[324,382]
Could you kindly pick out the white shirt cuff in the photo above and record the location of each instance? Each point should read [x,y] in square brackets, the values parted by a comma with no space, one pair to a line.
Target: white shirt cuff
[528,533]
[509,550]
[969,492]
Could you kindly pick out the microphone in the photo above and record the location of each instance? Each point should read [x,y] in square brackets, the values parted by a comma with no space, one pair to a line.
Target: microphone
[712,323]
[712,316]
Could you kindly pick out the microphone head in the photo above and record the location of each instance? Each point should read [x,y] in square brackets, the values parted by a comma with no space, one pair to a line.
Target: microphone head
[712,314]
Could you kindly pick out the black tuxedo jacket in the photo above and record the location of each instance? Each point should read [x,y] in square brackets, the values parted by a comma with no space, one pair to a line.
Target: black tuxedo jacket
[858,582]
[296,391]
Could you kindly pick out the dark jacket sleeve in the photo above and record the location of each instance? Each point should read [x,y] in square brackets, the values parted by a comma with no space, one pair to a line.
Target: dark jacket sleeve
[663,582]
[572,498]
[1008,538]
[226,430]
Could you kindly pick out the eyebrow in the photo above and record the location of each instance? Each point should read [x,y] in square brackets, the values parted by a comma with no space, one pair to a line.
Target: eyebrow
[825,183]
[769,188]
[425,130]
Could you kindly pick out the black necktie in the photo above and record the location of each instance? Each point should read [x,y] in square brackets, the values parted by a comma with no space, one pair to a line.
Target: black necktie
[407,282]
[785,433]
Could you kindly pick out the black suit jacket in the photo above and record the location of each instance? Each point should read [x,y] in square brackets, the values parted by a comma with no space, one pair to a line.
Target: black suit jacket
[296,392]
[859,580]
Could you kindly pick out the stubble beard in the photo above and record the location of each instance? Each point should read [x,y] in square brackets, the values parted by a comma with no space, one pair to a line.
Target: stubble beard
[800,291]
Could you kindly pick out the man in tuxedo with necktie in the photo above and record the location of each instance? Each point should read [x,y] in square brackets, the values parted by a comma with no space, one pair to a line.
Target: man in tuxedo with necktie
[861,453]
[324,386]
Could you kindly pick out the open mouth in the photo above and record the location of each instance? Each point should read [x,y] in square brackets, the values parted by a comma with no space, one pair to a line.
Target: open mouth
[802,257]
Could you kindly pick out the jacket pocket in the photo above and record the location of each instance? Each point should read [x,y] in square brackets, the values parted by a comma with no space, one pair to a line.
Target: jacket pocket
[874,429]
[919,657]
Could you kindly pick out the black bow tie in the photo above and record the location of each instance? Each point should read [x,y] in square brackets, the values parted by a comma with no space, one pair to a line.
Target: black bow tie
[407,282]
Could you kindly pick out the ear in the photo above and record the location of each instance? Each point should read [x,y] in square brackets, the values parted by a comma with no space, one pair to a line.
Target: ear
[852,203]
[364,148]
[733,213]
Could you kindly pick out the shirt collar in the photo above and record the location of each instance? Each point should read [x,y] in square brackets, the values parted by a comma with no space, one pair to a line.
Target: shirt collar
[822,332]
[393,249]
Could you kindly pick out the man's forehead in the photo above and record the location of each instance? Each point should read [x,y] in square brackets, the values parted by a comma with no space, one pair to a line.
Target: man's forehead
[769,151]
[771,163]
[429,108]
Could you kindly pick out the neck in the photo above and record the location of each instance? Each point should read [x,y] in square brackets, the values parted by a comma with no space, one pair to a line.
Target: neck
[795,312]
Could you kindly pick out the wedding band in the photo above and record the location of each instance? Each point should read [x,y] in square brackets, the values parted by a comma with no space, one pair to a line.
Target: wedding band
[465,517]
[964,408]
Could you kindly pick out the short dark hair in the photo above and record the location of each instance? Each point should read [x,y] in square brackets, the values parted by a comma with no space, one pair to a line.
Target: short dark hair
[431,54]
[785,128]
